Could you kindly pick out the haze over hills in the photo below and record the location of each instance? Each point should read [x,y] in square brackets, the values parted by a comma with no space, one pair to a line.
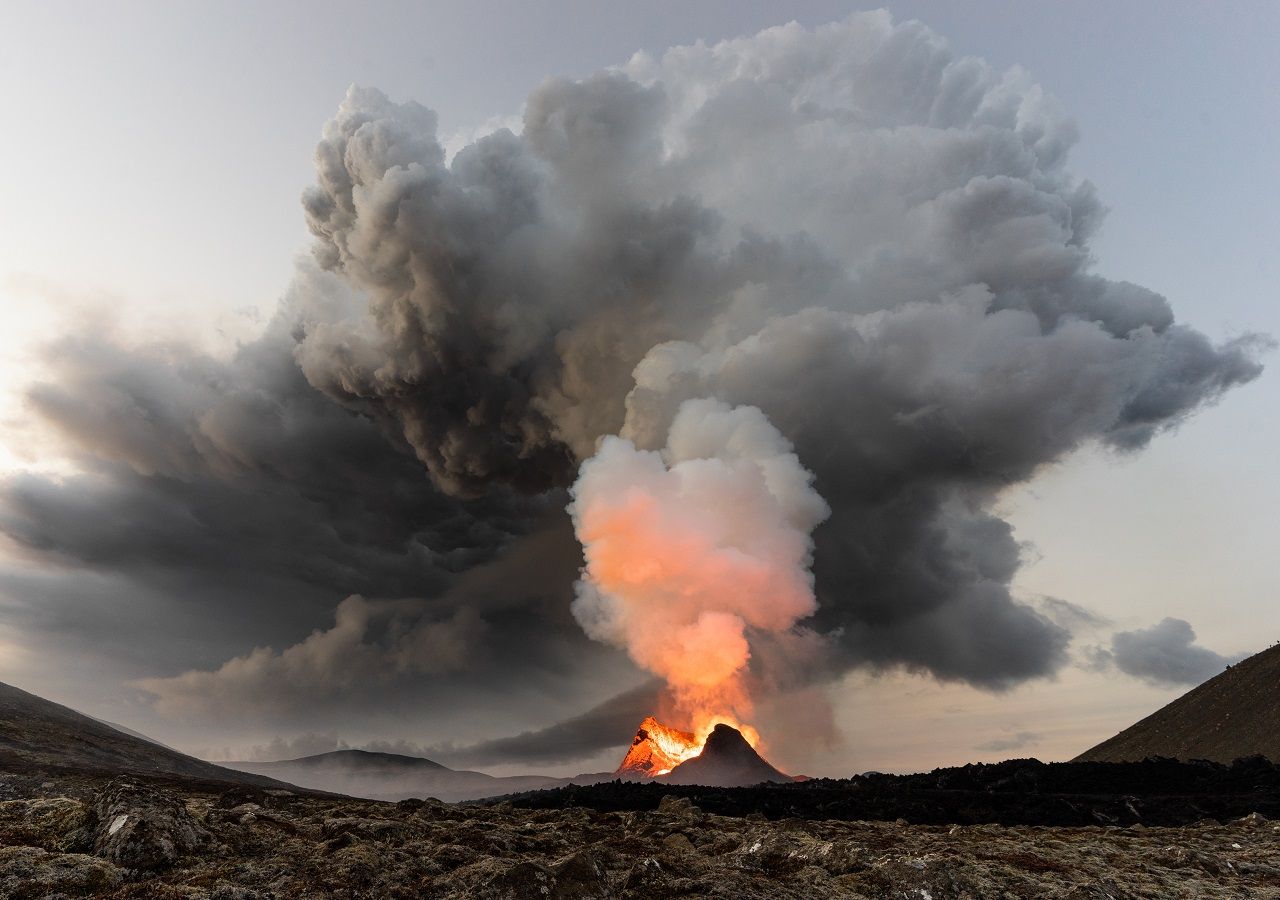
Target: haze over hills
[38,734]
[726,760]
[1233,715]
[392,776]
[132,733]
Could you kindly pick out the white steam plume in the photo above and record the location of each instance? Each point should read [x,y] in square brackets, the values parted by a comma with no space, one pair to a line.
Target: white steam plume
[693,550]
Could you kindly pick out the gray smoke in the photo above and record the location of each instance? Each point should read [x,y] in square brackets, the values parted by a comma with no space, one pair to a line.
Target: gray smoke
[1166,654]
[875,242]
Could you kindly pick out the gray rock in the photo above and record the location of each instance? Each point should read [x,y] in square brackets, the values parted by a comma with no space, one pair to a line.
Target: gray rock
[648,875]
[780,852]
[139,827]
[678,844]
[523,881]
[231,892]
[582,876]
[364,828]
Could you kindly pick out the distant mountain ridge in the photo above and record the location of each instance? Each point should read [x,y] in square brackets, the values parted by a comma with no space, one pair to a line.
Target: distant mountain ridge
[394,776]
[369,759]
[38,734]
[1230,716]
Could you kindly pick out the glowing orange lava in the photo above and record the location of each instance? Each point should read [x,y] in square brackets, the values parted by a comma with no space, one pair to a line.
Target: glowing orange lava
[657,748]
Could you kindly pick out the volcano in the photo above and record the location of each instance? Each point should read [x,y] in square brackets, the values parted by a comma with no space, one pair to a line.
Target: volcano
[661,753]
[726,760]
[656,750]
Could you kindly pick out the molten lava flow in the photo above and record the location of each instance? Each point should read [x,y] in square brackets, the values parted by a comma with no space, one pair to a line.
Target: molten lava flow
[724,757]
[657,748]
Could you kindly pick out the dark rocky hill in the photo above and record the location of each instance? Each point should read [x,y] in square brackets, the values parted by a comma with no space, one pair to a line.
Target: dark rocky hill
[1233,715]
[39,735]
[726,760]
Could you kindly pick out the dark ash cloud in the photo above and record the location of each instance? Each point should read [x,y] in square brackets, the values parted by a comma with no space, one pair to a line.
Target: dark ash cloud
[898,276]
[1165,654]
[874,241]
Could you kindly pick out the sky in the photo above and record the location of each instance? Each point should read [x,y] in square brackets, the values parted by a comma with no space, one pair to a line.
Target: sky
[152,225]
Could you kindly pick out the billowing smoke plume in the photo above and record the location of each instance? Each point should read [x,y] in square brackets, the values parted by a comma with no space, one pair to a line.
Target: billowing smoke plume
[844,243]
[691,550]
[872,241]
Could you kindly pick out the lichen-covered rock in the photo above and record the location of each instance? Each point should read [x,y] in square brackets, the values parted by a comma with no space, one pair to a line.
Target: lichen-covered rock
[139,827]
[28,872]
[678,808]
[779,852]
[232,892]
[648,876]
[300,846]
[41,823]
[583,876]
[523,881]
[363,828]
[678,844]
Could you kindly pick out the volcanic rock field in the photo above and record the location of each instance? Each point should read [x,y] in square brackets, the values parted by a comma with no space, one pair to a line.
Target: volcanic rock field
[86,810]
[76,836]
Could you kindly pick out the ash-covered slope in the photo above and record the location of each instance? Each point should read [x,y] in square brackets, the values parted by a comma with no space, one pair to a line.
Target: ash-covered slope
[38,734]
[393,776]
[1233,715]
[726,760]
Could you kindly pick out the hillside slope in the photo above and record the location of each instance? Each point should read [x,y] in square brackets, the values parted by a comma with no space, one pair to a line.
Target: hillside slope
[1232,715]
[38,734]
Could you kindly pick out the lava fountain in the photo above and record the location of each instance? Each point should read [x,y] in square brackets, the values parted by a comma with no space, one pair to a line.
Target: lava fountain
[723,758]
[692,553]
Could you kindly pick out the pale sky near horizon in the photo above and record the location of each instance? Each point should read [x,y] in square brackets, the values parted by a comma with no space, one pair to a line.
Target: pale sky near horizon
[155,154]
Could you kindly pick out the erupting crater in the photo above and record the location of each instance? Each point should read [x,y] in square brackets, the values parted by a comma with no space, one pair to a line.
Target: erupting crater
[722,758]
[656,750]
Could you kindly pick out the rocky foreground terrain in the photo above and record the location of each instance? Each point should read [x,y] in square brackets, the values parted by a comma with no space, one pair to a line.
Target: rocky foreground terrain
[130,837]
[1154,792]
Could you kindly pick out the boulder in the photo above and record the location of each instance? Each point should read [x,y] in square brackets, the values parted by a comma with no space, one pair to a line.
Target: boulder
[139,827]
[582,876]
[523,881]
[678,808]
